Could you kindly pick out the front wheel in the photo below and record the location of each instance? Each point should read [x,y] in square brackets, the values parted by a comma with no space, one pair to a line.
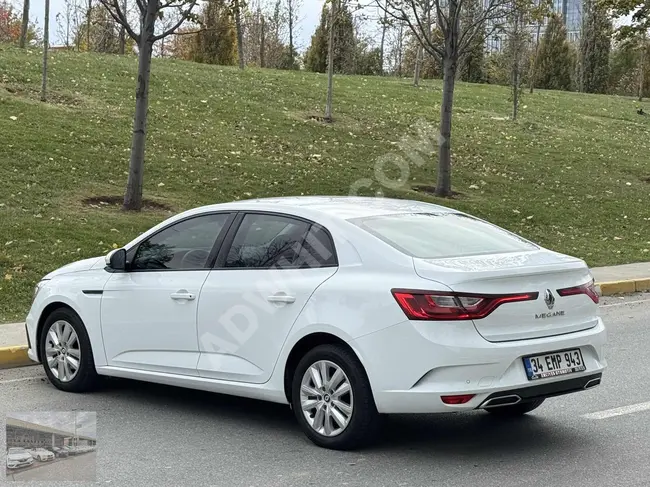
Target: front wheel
[518,409]
[332,398]
[66,352]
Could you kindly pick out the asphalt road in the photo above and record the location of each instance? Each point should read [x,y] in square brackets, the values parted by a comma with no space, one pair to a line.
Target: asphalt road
[77,468]
[155,435]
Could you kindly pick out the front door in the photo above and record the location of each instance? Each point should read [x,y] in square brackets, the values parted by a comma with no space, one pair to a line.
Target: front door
[148,313]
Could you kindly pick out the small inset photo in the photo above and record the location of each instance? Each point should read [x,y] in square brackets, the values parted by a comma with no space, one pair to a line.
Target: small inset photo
[59,445]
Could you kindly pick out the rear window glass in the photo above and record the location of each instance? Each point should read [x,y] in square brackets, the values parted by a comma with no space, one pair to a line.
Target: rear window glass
[442,235]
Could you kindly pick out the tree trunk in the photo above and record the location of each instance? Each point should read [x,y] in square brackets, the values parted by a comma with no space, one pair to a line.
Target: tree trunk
[25,24]
[262,41]
[291,59]
[516,54]
[46,45]
[418,66]
[123,31]
[240,35]
[443,186]
[384,26]
[330,63]
[400,50]
[533,65]
[88,15]
[133,195]
[642,69]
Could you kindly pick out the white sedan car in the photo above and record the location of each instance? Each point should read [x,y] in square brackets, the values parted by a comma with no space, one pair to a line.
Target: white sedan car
[342,307]
[41,454]
[18,457]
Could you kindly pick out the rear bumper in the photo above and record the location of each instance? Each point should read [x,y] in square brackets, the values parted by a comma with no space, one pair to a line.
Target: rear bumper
[412,364]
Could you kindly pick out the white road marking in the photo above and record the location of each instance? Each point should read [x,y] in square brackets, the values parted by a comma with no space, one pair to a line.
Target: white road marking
[22,379]
[623,304]
[610,413]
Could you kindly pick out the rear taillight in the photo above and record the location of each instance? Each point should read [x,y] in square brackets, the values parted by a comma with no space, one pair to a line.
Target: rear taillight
[589,289]
[427,305]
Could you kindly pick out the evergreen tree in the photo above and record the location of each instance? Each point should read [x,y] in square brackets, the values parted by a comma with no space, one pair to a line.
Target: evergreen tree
[217,42]
[555,61]
[472,67]
[595,45]
[344,43]
[316,56]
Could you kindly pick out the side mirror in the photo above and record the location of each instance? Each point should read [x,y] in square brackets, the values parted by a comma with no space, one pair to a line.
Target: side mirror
[116,260]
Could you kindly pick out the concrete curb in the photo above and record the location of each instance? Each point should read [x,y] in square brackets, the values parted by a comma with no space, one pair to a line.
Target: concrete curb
[14,357]
[624,287]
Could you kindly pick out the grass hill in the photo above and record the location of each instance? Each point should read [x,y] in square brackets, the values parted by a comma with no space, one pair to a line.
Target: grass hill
[572,174]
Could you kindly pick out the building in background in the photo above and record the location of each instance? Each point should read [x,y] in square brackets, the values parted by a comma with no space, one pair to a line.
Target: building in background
[31,435]
[569,10]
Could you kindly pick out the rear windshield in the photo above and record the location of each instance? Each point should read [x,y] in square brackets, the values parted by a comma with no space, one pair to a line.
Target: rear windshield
[442,235]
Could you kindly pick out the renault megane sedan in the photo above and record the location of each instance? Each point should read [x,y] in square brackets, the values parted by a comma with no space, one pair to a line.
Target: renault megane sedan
[342,307]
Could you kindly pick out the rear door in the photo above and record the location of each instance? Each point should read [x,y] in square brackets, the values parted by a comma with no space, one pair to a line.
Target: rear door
[267,270]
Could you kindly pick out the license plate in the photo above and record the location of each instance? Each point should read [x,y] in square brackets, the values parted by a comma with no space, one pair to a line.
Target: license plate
[554,364]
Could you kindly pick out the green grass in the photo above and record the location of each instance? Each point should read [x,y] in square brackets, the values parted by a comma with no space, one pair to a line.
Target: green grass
[569,174]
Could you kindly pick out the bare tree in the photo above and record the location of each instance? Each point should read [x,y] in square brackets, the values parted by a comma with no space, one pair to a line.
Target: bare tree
[46,45]
[382,44]
[517,38]
[330,61]
[123,31]
[262,39]
[25,24]
[149,12]
[456,41]
[63,22]
[237,7]
[419,58]
[293,17]
[89,11]
[539,14]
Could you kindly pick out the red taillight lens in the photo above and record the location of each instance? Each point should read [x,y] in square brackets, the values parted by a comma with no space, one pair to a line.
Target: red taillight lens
[461,399]
[427,305]
[589,289]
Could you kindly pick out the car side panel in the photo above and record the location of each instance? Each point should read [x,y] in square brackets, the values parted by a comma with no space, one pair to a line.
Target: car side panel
[69,289]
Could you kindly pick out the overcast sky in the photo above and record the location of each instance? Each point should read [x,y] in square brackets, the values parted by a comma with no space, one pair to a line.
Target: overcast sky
[310,15]
[62,420]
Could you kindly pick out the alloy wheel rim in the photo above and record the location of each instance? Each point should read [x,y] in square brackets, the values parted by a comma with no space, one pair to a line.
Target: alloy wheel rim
[62,351]
[326,398]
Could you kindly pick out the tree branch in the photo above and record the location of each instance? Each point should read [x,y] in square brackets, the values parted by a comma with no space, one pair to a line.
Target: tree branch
[184,17]
[115,11]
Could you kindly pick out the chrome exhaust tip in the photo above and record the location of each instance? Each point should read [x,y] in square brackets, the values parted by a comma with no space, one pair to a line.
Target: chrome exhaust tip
[496,402]
[592,383]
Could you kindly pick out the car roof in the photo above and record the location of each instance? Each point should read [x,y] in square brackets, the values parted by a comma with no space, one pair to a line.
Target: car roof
[344,207]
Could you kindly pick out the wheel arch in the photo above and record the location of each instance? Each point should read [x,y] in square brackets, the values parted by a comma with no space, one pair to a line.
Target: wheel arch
[304,345]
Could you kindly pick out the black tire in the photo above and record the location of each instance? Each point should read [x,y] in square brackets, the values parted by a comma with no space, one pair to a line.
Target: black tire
[519,409]
[86,378]
[363,422]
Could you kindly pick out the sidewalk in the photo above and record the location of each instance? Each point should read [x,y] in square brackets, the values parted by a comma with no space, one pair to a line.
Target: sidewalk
[622,279]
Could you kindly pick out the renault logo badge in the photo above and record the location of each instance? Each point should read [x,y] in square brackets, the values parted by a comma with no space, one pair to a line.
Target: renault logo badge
[549,299]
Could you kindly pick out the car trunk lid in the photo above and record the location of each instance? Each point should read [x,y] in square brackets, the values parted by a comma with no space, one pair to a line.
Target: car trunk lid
[540,271]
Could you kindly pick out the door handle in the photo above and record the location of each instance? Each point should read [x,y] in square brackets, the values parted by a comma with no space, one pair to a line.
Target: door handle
[281,298]
[183,295]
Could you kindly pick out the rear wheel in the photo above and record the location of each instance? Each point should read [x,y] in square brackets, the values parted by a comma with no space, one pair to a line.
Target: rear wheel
[518,409]
[332,398]
[66,353]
